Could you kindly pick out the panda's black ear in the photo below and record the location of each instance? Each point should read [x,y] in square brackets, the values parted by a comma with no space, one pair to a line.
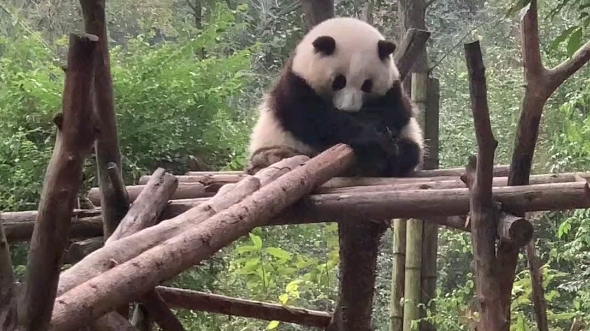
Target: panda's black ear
[385,48]
[325,45]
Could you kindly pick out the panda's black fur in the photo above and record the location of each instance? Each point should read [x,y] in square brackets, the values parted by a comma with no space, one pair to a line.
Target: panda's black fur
[373,132]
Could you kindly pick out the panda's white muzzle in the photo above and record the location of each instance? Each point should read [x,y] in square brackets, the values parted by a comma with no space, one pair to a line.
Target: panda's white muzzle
[348,99]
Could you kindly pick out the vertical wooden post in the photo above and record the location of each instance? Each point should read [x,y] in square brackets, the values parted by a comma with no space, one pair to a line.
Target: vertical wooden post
[430,229]
[396,308]
[412,287]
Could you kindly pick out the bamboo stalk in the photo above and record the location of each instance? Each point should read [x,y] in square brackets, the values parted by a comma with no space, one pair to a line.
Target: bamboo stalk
[396,310]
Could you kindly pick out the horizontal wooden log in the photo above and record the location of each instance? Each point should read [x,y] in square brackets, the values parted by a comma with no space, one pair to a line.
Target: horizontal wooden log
[499,170]
[213,303]
[324,207]
[208,178]
[207,188]
[19,225]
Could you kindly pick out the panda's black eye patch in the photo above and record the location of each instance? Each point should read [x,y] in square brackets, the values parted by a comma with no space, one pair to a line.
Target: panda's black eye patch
[367,86]
[339,83]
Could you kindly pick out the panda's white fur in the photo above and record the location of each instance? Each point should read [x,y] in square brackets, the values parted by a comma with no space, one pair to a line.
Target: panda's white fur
[356,50]
[355,58]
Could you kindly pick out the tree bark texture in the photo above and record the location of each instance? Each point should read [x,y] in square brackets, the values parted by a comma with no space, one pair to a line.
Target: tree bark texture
[107,144]
[482,209]
[75,136]
[129,247]
[135,277]
[540,85]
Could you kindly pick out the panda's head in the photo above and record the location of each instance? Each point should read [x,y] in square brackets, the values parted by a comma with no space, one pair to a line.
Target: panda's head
[346,61]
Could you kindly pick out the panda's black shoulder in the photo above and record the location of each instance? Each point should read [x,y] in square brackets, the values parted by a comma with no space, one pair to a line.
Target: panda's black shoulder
[394,109]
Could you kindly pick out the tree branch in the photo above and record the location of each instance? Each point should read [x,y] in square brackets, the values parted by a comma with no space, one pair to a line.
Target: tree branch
[412,45]
[114,206]
[194,300]
[483,214]
[564,70]
[75,136]
[531,50]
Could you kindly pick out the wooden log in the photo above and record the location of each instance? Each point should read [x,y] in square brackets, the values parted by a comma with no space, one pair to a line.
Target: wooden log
[133,245]
[144,213]
[107,144]
[149,205]
[479,175]
[20,227]
[109,290]
[321,208]
[226,177]
[213,303]
[79,249]
[159,310]
[75,136]
[413,44]
[389,204]
[184,191]
[8,295]
[206,185]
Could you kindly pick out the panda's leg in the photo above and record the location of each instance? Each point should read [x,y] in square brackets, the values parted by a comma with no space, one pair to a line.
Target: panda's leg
[409,157]
[267,156]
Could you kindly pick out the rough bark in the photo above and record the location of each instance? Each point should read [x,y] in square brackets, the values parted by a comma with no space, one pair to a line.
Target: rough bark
[499,170]
[20,228]
[210,184]
[107,143]
[7,289]
[161,313]
[79,249]
[214,180]
[540,85]
[194,300]
[143,214]
[75,136]
[126,248]
[149,205]
[184,191]
[482,209]
[412,46]
[135,277]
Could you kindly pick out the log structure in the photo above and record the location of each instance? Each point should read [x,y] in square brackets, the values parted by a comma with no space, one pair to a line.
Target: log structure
[139,236]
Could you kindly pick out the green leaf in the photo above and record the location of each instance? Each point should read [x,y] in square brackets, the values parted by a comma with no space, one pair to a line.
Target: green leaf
[256,240]
[246,249]
[562,37]
[283,298]
[278,253]
[272,325]
[574,42]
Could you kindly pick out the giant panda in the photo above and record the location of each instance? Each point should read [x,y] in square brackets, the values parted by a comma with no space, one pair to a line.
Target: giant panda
[340,85]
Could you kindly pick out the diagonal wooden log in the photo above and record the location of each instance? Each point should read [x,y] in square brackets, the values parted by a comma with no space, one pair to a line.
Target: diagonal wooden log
[540,85]
[126,248]
[412,45]
[195,300]
[144,213]
[75,136]
[138,275]
[482,210]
